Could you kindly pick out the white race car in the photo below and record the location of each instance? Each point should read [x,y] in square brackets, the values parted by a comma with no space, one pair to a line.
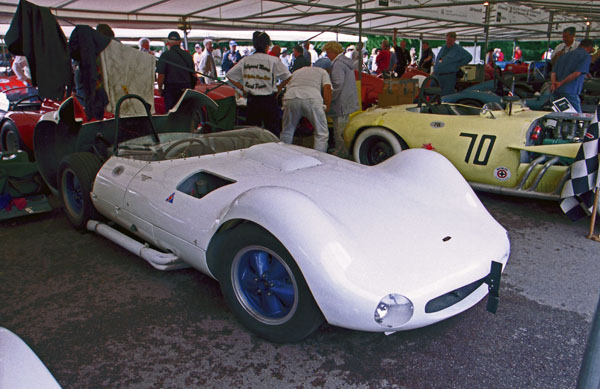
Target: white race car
[293,235]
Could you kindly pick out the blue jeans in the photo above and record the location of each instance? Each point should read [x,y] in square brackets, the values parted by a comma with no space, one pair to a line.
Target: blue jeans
[447,83]
[572,97]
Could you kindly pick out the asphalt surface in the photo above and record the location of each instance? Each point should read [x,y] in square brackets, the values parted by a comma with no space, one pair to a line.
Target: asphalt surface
[101,317]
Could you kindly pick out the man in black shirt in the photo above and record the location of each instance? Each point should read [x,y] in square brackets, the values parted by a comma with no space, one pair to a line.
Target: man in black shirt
[175,70]
[300,60]
[402,55]
[426,58]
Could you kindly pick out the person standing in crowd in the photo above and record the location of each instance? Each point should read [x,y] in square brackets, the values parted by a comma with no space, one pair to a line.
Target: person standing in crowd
[426,58]
[344,99]
[144,44]
[500,55]
[275,51]
[175,69]
[568,44]
[257,76]
[231,57]
[285,58]
[306,51]
[518,54]
[383,58]
[569,72]
[196,56]
[373,60]
[308,94]
[489,57]
[217,54]
[403,58]
[300,60]
[449,60]
[207,66]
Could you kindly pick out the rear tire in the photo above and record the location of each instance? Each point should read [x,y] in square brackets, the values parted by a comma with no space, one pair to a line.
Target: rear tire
[76,176]
[374,145]
[264,287]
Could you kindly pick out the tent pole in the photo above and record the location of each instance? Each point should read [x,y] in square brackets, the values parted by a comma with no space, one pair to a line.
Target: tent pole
[548,44]
[486,29]
[420,47]
[359,45]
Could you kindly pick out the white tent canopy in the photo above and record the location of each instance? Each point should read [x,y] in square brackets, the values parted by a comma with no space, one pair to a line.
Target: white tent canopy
[506,20]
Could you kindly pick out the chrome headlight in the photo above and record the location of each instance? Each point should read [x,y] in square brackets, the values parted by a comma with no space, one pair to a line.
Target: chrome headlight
[393,311]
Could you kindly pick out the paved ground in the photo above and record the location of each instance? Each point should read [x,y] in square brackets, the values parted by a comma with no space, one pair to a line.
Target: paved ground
[101,317]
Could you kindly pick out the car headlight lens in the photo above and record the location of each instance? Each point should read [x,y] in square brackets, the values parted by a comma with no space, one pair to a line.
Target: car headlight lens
[393,311]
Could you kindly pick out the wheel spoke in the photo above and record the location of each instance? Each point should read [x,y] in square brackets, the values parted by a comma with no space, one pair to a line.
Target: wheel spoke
[285,293]
[277,271]
[271,305]
[248,280]
[260,262]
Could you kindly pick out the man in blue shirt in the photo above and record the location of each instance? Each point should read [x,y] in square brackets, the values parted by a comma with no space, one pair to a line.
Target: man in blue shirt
[568,74]
[450,58]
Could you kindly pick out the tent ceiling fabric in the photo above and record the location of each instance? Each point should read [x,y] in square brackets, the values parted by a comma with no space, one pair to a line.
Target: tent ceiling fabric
[508,19]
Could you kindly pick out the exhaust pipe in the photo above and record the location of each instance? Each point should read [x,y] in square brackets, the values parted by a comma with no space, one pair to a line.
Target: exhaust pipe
[158,260]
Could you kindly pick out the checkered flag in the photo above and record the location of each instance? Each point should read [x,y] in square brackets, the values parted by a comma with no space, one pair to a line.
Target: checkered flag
[577,194]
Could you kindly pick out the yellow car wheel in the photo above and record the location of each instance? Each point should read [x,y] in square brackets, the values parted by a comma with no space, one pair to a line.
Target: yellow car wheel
[375,144]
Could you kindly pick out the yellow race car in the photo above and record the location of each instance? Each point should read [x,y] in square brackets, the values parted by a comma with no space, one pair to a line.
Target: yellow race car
[513,150]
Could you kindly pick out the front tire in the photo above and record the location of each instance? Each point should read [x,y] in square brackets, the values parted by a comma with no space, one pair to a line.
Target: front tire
[77,172]
[375,145]
[11,140]
[264,287]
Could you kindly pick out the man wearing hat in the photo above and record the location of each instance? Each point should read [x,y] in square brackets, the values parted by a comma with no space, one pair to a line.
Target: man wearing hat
[308,95]
[568,44]
[207,63]
[175,69]
[231,57]
[449,60]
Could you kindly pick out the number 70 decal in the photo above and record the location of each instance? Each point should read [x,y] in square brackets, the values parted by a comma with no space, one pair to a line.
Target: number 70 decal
[485,140]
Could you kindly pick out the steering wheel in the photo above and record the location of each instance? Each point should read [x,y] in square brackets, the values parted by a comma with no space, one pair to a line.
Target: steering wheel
[427,90]
[179,143]
[22,99]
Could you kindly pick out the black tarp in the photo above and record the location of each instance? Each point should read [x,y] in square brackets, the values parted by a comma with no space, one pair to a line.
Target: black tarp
[35,33]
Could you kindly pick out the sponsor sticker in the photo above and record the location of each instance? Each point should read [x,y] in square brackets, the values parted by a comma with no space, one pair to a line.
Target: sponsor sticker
[170,198]
[502,173]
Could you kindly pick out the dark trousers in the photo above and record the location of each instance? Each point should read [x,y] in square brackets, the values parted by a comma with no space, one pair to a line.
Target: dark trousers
[264,111]
[172,93]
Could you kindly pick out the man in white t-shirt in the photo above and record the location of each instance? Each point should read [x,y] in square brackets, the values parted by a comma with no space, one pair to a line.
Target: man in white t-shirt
[308,95]
[257,76]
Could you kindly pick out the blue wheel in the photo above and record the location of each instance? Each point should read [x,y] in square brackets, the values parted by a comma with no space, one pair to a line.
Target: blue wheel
[264,287]
[76,176]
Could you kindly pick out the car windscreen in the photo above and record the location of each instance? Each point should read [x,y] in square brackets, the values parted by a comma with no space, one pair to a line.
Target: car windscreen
[11,96]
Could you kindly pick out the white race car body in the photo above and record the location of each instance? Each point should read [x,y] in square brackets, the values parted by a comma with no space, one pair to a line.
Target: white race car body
[410,226]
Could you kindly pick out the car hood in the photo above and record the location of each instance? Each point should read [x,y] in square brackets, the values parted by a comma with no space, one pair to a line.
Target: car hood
[412,215]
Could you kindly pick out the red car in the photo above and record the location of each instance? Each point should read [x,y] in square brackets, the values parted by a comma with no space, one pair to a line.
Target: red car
[20,109]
